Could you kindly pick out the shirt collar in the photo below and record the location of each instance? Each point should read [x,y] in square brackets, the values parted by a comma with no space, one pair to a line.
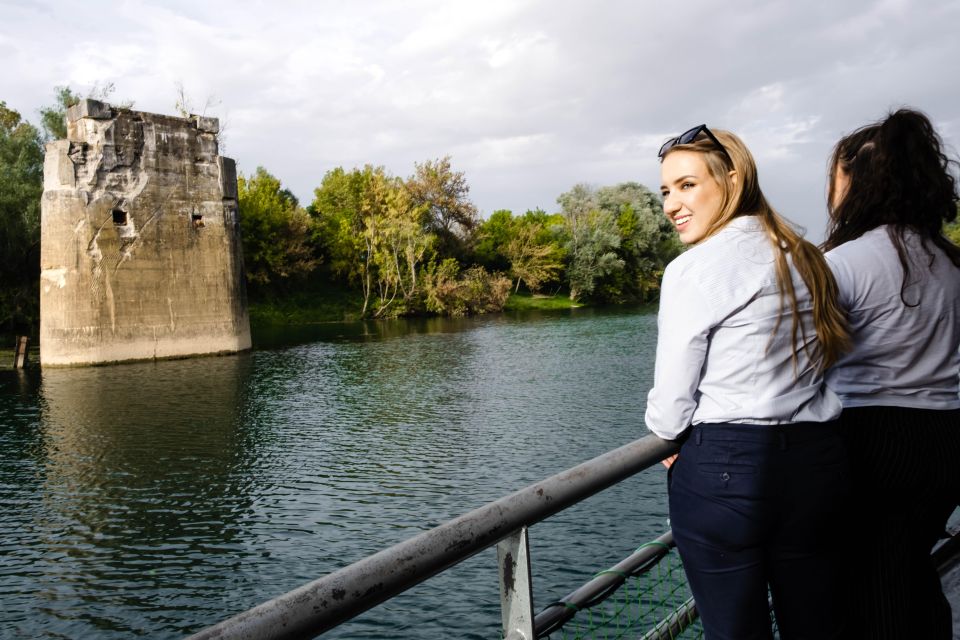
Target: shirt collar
[745,223]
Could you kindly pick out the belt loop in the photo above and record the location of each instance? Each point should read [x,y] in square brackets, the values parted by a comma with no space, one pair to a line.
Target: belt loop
[783,441]
[699,435]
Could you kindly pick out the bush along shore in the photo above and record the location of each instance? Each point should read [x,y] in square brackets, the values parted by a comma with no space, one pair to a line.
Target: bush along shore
[345,306]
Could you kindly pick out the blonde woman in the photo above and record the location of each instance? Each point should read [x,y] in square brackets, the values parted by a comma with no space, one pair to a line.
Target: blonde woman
[748,323]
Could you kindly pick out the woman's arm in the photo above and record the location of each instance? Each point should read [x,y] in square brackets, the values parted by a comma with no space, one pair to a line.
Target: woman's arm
[683,329]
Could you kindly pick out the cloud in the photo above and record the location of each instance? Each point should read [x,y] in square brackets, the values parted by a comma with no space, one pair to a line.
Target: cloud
[510,151]
[516,48]
[528,97]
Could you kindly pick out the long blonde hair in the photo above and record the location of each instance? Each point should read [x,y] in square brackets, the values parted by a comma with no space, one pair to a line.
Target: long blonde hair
[742,196]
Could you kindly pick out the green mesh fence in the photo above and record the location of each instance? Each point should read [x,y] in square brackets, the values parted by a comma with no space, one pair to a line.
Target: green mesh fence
[655,604]
[645,603]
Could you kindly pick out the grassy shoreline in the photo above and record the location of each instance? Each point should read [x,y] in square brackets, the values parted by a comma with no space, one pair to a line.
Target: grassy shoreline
[306,307]
[331,306]
[537,302]
[338,305]
[328,307]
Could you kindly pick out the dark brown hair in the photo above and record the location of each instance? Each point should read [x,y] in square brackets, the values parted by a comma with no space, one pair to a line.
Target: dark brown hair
[899,176]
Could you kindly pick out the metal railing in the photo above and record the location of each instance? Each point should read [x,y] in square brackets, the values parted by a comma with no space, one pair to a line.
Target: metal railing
[555,614]
[638,594]
[327,602]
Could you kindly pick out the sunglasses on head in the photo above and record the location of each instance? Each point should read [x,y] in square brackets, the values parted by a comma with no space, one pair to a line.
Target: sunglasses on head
[689,136]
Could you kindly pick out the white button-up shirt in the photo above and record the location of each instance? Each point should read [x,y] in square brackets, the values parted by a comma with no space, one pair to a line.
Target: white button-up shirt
[903,356]
[718,359]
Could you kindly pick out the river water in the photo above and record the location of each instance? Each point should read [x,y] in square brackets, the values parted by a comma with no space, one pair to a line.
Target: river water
[155,499]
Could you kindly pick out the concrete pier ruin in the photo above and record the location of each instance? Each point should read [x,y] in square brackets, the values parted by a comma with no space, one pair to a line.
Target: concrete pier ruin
[140,240]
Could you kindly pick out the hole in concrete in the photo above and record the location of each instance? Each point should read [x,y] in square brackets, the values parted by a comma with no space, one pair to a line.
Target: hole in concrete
[197,219]
[119,217]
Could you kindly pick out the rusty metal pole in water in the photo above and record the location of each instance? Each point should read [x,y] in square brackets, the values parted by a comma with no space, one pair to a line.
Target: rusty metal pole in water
[20,352]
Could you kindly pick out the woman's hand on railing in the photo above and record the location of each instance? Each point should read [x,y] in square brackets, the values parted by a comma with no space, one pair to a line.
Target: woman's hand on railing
[669,460]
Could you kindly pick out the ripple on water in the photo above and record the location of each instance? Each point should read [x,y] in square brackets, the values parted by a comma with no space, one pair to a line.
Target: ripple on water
[153,499]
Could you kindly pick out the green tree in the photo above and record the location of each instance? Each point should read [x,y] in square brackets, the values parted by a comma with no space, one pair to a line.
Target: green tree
[529,247]
[336,210]
[648,241]
[534,250]
[592,251]
[374,235]
[491,239]
[21,185]
[276,231]
[552,231]
[444,193]
[348,208]
[399,242]
[593,238]
[53,118]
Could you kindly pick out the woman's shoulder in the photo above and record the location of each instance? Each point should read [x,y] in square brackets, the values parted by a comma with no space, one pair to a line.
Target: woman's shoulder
[697,258]
[862,249]
[740,244]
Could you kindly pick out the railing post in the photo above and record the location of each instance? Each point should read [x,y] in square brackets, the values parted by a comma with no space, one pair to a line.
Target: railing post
[516,592]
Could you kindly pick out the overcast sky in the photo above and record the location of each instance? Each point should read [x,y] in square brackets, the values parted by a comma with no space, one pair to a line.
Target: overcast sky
[529,98]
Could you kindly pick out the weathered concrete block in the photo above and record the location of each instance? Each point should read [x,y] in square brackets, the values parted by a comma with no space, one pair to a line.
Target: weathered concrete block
[88,108]
[140,256]
[58,170]
[228,177]
[209,125]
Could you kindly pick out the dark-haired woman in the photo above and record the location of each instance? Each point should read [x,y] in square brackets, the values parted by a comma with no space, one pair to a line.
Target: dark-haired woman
[748,321]
[891,191]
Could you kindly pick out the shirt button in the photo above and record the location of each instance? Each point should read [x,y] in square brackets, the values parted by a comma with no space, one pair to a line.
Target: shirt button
[724,476]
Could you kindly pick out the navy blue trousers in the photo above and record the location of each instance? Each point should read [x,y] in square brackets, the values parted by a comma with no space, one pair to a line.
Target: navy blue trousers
[754,507]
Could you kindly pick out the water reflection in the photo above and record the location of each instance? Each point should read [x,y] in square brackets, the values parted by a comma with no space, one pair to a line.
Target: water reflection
[154,499]
[281,336]
[274,336]
[141,476]
[21,383]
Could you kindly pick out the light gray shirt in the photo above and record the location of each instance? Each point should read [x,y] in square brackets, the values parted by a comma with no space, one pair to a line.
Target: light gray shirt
[903,356]
[718,359]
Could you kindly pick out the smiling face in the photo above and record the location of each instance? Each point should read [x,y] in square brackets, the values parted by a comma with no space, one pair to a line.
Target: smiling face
[691,197]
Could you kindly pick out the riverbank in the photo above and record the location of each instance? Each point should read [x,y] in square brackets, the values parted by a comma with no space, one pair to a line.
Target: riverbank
[342,305]
[331,305]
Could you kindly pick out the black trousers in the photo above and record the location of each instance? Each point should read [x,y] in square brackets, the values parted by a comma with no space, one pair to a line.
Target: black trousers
[755,507]
[905,466]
